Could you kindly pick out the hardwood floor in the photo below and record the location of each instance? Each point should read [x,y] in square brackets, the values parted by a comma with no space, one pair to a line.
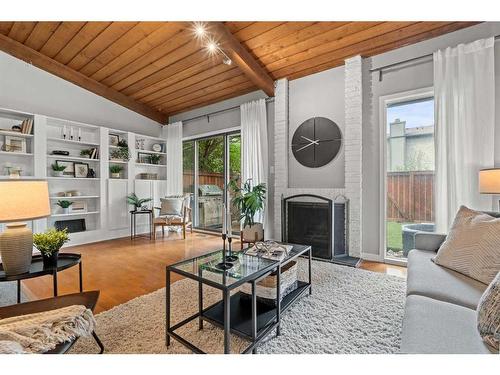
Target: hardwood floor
[123,269]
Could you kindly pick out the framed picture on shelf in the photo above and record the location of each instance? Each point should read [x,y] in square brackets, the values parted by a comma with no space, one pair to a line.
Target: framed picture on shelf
[81,170]
[70,167]
[78,206]
[14,144]
[114,139]
[143,158]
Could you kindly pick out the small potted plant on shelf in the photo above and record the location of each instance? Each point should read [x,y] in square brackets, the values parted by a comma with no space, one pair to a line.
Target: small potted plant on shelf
[115,170]
[137,202]
[58,170]
[49,244]
[120,153]
[154,158]
[249,200]
[64,204]
[86,153]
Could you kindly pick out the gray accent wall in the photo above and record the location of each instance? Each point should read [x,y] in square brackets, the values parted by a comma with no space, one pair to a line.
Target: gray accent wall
[317,95]
[26,88]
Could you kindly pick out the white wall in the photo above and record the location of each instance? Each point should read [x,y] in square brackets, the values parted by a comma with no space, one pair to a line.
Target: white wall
[404,78]
[26,88]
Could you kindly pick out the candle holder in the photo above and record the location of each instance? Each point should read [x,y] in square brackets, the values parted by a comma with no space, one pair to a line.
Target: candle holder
[230,257]
[225,264]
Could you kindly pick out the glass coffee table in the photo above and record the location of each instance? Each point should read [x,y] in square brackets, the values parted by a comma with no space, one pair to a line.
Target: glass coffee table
[252,320]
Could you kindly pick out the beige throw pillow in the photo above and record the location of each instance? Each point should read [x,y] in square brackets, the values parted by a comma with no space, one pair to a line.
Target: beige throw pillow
[473,245]
[488,314]
[171,206]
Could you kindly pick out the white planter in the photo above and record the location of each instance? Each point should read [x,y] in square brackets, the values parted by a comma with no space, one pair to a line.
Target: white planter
[254,232]
[58,173]
[65,211]
[115,175]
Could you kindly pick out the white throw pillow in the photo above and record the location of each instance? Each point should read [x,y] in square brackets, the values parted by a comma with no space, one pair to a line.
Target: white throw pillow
[488,314]
[473,245]
[171,206]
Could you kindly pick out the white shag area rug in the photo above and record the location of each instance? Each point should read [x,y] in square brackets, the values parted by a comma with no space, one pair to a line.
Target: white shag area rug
[350,311]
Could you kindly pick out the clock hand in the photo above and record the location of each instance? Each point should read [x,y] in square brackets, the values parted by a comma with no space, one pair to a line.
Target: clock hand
[300,149]
[310,140]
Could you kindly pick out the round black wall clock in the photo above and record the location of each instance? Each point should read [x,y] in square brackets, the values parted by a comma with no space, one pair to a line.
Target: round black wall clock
[316,142]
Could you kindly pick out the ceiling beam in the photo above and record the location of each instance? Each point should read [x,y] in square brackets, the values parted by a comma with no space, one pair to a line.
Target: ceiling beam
[245,61]
[52,66]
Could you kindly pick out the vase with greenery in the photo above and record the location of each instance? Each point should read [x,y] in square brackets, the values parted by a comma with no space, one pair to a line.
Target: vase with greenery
[49,244]
[115,170]
[120,153]
[249,200]
[86,153]
[64,204]
[154,158]
[58,170]
[137,202]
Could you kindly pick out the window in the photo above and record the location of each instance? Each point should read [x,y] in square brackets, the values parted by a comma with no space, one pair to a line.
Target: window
[409,164]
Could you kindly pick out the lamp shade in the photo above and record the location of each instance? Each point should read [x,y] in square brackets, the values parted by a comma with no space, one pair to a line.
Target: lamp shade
[489,181]
[23,200]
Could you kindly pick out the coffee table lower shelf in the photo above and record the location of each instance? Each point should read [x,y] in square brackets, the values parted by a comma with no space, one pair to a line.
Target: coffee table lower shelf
[241,312]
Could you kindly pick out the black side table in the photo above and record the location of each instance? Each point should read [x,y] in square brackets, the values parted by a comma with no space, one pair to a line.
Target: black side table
[64,261]
[133,225]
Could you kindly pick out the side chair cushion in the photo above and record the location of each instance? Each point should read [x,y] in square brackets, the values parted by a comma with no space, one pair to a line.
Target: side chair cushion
[171,206]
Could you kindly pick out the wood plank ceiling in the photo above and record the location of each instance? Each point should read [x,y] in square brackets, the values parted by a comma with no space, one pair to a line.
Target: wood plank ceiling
[161,68]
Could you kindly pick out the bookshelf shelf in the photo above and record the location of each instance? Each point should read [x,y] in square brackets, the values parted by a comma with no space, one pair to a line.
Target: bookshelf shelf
[75,214]
[150,152]
[75,197]
[72,158]
[73,142]
[16,134]
[16,153]
[150,165]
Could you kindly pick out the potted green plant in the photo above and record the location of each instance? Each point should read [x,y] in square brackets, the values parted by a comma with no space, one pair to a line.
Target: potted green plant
[137,202]
[58,170]
[154,158]
[64,204]
[49,244]
[115,170]
[249,200]
[86,153]
[120,153]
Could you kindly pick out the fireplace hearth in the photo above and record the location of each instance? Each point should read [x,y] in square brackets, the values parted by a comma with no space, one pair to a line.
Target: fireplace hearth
[317,221]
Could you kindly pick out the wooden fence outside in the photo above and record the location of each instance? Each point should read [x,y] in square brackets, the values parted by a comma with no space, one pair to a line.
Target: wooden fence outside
[204,179]
[410,196]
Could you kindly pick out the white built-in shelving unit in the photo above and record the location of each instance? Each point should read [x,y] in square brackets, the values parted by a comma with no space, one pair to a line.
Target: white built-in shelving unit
[100,200]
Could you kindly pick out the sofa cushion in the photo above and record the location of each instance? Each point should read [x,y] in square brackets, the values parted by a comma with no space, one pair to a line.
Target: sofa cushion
[426,278]
[488,314]
[431,326]
[471,247]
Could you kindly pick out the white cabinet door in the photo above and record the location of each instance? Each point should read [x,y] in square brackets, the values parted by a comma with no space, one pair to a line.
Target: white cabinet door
[118,217]
[159,191]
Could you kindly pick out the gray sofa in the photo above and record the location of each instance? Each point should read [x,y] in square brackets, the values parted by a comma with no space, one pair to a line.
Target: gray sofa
[440,310]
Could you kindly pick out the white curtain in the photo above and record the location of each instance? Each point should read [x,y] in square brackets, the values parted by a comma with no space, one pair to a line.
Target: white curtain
[254,158]
[174,159]
[464,85]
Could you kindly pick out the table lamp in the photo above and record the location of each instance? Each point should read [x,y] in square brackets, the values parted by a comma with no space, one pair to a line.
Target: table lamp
[19,201]
[489,181]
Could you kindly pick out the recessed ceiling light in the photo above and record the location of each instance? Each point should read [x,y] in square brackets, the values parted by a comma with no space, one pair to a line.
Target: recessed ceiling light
[199,30]
[212,47]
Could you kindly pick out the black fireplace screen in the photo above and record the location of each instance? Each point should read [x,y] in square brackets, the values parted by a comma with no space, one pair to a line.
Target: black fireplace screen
[308,220]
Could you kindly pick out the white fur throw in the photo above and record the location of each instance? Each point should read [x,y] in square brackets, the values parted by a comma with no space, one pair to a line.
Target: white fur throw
[41,332]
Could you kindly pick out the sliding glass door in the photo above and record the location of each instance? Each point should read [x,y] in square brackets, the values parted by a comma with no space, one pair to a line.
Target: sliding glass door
[209,164]
[408,140]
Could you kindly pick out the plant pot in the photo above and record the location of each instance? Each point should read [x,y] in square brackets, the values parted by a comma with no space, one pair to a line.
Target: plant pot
[115,175]
[254,232]
[65,211]
[58,173]
[50,261]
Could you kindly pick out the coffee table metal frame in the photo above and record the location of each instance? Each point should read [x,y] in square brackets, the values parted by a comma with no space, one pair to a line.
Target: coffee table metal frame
[207,314]
[64,261]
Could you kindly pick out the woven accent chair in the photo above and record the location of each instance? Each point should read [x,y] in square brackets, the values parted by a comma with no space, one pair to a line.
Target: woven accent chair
[168,220]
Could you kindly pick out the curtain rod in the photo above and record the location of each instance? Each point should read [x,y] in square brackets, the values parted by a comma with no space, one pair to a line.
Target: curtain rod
[388,66]
[207,115]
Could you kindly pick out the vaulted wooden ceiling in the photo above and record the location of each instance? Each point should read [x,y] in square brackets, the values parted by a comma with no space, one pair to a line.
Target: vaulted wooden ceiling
[161,68]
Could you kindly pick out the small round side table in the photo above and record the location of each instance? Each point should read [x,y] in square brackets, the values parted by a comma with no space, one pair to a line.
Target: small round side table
[64,261]
[133,226]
